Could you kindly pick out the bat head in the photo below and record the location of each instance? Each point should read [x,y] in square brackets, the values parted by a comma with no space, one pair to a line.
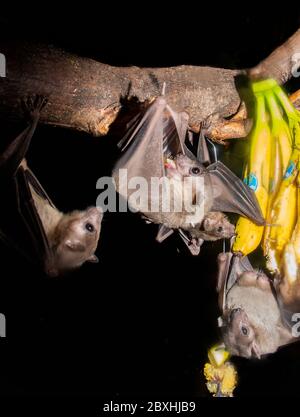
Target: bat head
[252,325]
[76,239]
[239,335]
[183,166]
[217,224]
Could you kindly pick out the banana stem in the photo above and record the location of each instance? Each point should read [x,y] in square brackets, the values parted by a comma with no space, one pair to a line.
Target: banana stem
[260,108]
[286,104]
[273,106]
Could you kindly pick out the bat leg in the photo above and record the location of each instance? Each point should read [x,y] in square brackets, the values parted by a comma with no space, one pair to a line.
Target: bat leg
[13,155]
[224,270]
[202,149]
[222,260]
[193,244]
[163,233]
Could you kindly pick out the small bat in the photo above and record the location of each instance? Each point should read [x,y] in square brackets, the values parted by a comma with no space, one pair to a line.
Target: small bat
[214,226]
[253,320]
[154,148]
[30,222]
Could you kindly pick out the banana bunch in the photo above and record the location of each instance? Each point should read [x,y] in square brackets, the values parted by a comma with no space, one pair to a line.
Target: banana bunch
[272,172]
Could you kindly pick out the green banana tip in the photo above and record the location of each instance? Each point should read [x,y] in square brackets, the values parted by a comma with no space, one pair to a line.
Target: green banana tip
[261,86]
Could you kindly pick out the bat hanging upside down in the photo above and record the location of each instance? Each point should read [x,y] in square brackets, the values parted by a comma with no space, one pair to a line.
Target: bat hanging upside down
[31,223]
[154,147]
[257,312]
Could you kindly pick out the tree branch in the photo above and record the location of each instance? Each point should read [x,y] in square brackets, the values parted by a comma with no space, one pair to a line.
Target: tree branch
[88,96]
[281,64]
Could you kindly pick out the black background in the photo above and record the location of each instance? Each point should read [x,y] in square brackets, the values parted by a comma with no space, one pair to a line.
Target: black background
[139,323]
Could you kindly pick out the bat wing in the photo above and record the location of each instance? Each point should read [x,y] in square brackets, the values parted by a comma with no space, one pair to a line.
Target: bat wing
[21,226]
[231,194]
[30,217]
[230,267]
[156,135]
[202,150]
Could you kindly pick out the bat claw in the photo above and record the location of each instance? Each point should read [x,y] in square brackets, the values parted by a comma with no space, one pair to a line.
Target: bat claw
[33,104]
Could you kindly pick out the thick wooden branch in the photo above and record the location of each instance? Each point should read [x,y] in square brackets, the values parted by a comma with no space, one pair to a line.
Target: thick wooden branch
[282,64]
[88,96]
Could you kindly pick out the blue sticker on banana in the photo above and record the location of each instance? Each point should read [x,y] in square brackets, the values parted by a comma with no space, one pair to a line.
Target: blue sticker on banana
[252,182]
[289,170]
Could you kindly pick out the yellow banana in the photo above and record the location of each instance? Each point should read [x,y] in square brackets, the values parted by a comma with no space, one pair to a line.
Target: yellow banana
[283,214]
[296,233]
[280,131]
[273,167]
[248,234]
[290,264]
[280,155]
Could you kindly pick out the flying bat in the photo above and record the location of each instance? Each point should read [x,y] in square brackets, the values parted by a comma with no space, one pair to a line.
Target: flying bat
[154,151]
[30,222]
[256,320]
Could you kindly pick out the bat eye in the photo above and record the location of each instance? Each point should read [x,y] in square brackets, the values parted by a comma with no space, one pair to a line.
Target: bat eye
[220,229]
[244,330]
[89,227]
[195,170]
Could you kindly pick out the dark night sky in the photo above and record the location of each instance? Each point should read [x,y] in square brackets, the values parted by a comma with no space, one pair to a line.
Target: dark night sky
[140,321]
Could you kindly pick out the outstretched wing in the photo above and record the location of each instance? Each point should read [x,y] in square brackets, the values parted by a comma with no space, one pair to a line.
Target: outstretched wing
[231,194]
[156,135]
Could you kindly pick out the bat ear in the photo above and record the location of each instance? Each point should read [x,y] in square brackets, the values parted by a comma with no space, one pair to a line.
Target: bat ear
[75,245]
[94,259]
[255,351]
[285,335]
[207,222]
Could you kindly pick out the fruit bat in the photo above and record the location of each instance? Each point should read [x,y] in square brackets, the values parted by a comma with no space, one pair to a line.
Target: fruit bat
[215,225]
[154,149]
[29,221]
[256,320]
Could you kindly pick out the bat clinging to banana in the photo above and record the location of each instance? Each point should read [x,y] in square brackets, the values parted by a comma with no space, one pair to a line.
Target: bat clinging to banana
[256,311]
[192,191]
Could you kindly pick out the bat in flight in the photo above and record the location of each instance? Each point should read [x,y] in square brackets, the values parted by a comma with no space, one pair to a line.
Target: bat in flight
[257,312]
[154,147]
[29,221]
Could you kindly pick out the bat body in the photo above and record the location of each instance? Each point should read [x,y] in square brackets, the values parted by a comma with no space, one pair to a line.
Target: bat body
[154,149]
[31,223]
[253,320]
[214,226]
